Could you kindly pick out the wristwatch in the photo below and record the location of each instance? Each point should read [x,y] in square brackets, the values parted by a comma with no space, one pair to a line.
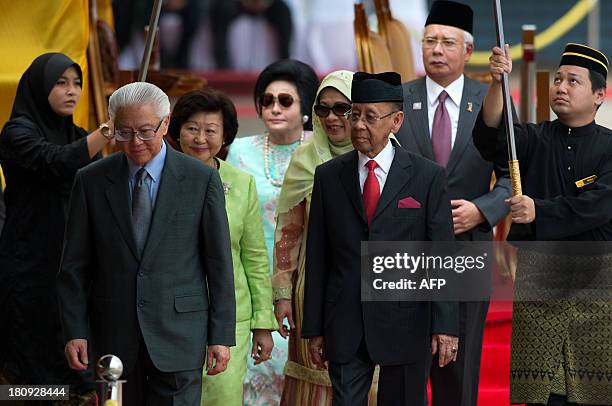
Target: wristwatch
[105,130]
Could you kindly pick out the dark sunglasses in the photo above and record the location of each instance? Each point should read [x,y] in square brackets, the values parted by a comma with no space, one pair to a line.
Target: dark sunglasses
[284,99]
[339,109]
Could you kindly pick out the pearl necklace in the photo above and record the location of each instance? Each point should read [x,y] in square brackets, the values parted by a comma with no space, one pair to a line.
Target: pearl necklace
[274,182]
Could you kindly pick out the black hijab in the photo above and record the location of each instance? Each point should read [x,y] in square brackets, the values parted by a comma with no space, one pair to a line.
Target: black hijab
[31,101]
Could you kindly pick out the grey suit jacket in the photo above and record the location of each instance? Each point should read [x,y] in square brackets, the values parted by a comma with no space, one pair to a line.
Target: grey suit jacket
[468,175]
[178,296]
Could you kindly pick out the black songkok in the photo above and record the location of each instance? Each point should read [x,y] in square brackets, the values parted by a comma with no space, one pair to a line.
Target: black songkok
[587,57]
[377,87]
[451,13]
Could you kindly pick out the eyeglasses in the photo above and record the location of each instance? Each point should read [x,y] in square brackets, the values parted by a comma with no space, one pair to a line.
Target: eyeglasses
[284,99]
[447,43]
[147,134]
[371,119]
[339,109]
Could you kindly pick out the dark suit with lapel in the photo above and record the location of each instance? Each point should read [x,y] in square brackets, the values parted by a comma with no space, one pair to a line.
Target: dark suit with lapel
[394,333]
[178,296]
[469,178]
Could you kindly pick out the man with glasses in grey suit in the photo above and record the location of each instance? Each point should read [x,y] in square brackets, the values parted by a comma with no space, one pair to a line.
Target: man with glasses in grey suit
[146,271]
[440,110]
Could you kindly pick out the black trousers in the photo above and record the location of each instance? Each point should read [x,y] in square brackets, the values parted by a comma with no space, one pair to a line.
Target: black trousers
[147,385]
[456,384]
[223,12]
[557,400]
[398,385]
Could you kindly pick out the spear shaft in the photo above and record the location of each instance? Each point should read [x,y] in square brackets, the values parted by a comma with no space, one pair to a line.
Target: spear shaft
[513,164]
[146,56]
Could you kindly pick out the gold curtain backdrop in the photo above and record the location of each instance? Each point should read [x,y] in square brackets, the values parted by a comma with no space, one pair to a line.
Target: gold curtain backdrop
[31,28]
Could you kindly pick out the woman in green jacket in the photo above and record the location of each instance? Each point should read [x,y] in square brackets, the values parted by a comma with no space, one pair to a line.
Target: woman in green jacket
[202,122]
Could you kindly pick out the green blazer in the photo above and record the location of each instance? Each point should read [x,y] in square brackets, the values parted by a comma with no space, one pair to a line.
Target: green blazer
[249,253]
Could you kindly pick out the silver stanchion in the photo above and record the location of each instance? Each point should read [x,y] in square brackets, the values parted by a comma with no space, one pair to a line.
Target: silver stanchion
[110,388]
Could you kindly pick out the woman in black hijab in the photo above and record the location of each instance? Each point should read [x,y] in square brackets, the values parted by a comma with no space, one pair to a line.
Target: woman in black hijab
[40,151]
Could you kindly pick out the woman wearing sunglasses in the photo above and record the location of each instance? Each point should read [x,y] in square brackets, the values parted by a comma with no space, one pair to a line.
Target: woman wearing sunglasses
[202,122]
[284,94]
[305,384]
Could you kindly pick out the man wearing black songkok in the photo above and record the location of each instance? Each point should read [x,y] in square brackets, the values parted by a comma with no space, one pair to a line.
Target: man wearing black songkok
[379,192]
[562,348]
[441,109]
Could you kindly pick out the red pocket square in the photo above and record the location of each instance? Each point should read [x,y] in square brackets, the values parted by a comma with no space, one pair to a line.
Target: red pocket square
[408,203]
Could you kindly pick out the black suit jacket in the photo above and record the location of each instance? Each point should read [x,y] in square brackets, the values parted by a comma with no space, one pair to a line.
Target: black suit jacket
[395,332]
[468,174]
[2,211]
[179,295]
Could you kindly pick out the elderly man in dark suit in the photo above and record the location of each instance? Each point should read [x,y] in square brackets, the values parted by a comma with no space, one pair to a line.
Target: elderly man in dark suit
[357,197]
[146,272]
[441,110]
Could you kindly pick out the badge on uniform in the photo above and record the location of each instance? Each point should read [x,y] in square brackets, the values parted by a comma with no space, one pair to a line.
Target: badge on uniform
[586,181]
[416,106]
[469,107]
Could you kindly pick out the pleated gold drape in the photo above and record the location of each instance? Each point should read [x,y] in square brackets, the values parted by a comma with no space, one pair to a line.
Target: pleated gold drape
[31,28]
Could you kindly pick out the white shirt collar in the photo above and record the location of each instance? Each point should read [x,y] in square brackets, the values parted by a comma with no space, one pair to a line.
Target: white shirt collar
[454,90]
[384,159]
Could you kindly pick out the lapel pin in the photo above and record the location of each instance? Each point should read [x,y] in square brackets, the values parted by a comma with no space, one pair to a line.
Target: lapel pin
[226,188]
[416,106]
[469,107]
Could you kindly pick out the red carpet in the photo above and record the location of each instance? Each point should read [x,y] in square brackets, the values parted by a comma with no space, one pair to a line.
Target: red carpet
[495,364]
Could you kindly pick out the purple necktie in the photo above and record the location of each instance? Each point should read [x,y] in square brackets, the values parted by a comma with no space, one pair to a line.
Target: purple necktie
[441,132]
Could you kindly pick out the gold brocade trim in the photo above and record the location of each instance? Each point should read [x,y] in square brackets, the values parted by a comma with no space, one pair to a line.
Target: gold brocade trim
[316,376]
[283,292]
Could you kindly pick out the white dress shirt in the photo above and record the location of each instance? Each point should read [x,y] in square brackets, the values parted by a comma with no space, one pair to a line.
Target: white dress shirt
[452,102]
[383,159]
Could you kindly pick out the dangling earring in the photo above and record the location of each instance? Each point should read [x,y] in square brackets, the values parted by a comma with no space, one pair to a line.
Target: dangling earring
[305,119]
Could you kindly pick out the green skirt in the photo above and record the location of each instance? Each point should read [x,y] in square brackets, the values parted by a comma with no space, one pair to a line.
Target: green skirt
[225,389]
